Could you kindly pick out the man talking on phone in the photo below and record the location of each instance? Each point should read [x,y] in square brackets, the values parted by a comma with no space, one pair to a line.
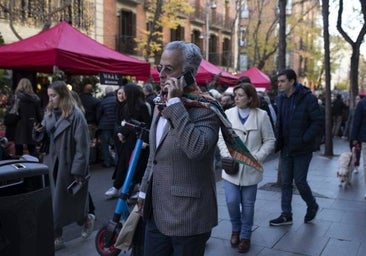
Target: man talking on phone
[178,191]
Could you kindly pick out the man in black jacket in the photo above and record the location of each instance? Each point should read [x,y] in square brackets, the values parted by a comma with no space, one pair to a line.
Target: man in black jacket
[90,104]
[299,122]
[106,116]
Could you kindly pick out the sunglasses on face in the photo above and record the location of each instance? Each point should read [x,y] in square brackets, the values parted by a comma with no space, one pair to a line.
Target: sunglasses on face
[167,69]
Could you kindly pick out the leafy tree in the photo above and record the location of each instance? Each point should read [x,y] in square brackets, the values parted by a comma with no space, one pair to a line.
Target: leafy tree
[161,14]
[261,39]
[271,29]
[338,48]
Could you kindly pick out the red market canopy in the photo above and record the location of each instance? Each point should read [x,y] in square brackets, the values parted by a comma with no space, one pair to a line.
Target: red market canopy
[257,77]
[206,74]
[71,51]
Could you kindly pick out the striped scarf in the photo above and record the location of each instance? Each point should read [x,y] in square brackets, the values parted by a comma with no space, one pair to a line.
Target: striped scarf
[194,97]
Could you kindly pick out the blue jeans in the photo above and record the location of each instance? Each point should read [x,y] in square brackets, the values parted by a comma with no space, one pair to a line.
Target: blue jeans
[245,197]
[295,168]
[105,138]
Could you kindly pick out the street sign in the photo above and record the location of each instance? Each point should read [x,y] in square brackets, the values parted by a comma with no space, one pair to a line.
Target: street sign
[110,78]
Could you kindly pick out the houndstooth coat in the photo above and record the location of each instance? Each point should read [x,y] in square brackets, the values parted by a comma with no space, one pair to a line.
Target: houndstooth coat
[183,192]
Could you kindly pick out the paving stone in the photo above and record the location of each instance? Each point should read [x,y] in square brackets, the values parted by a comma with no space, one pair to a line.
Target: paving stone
[338,247]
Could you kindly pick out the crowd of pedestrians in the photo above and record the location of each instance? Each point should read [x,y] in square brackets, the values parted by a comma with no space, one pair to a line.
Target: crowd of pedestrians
[176,170]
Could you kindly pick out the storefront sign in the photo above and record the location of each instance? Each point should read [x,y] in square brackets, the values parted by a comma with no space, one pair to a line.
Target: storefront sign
[110,79]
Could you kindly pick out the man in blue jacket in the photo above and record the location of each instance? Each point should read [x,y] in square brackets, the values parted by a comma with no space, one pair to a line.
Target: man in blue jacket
[106,120]
[299,123]
[358,133]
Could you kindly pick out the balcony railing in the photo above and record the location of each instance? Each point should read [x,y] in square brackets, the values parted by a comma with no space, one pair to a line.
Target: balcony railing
[126,44]
[219,21]
[37,13]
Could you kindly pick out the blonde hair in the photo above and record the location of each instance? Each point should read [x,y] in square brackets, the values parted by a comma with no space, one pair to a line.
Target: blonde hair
[25,85]
[67,101]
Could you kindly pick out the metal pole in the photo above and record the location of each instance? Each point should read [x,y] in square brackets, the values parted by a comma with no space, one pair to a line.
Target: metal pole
[207,36]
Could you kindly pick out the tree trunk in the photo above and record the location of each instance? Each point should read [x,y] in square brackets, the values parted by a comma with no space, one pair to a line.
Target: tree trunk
[328,114]
[355,60]
[281,58]
[154,27]
[355,57]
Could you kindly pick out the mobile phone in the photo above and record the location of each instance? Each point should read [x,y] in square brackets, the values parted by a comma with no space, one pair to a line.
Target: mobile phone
[76,185]
[188,78]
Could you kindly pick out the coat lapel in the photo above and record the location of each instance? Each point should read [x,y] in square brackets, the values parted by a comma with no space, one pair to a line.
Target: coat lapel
[153,129]
[61,125]
[250,124]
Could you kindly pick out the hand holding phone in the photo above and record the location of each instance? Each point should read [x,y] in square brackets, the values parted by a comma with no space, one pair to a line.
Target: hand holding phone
[188,78]
[171,89]
[76,185]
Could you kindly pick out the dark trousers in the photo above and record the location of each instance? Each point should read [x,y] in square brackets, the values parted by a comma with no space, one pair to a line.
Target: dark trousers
[19,149]
[295,168]
[158,244]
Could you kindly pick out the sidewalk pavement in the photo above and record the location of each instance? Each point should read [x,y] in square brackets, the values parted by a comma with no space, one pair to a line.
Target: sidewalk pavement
[338,229]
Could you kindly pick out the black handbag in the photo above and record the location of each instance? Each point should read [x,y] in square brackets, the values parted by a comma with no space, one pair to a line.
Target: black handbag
[12,117]
[230,166]
[45,144]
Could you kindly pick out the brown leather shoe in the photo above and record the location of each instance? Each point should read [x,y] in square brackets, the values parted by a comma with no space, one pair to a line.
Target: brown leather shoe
[244,245]
[235,238]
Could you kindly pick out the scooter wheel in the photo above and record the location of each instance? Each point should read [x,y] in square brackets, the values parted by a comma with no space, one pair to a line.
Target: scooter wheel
[100,243]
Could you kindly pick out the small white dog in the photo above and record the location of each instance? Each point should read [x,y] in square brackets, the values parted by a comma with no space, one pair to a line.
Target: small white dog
[346,165]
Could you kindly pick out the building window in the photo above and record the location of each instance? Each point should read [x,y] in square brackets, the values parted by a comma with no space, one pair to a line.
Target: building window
[196,38]
[213,50]
[127,32]
[177,34]
[226,53]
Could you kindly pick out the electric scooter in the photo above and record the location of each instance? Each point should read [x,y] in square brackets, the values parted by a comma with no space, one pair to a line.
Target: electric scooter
[107,235]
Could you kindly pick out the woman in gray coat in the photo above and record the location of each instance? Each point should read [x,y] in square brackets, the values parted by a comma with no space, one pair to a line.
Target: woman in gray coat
[67,159]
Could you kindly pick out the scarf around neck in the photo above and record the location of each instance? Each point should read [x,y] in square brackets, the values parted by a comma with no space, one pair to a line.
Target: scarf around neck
[194,97]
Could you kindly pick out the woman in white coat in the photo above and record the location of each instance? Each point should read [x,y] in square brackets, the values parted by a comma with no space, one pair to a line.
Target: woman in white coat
[254,128]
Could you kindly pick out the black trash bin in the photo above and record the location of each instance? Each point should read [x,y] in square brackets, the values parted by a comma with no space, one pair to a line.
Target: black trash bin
[26,218]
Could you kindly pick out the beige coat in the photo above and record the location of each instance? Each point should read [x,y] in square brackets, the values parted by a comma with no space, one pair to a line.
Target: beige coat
[258,136]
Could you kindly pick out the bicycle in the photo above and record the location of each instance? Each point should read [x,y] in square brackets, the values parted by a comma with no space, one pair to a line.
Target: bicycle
[107,235]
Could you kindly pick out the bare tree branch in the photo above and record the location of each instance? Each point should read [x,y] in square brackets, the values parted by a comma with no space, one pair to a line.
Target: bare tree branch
[47,22]
[10,11]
